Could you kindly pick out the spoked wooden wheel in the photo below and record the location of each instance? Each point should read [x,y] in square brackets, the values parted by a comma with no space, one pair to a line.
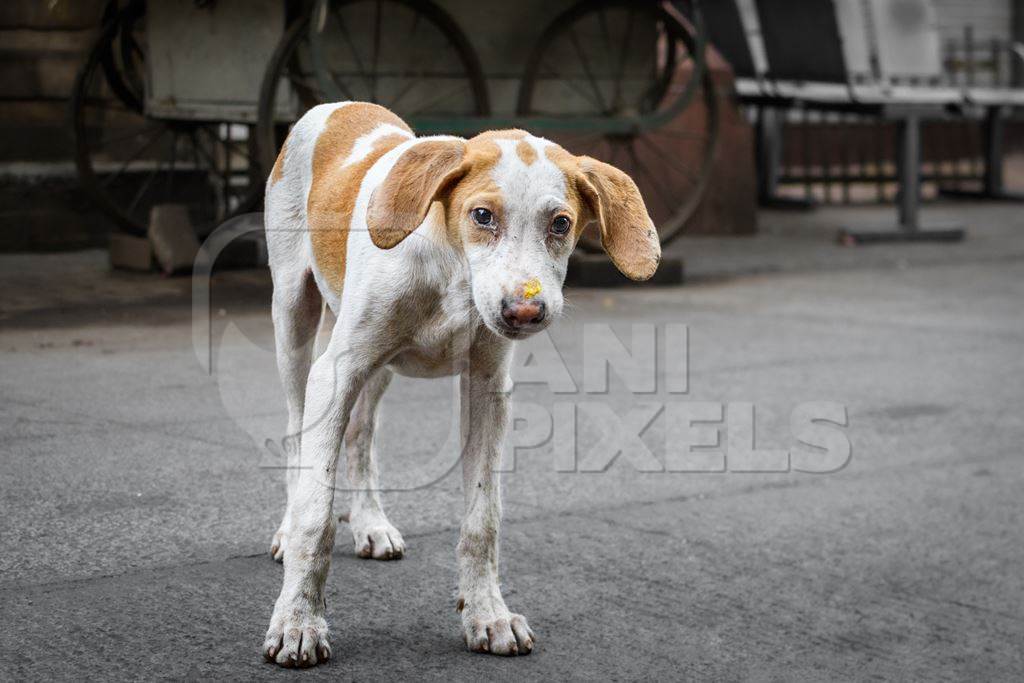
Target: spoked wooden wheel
[407,55]
[129,162]
[632,60]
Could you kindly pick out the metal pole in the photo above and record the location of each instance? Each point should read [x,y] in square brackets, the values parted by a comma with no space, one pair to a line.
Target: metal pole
[910,171]
[772,151]
[766,158]
[993,152]
[908,228]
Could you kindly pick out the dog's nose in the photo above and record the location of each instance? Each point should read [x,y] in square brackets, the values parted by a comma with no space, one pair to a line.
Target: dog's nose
[520,313]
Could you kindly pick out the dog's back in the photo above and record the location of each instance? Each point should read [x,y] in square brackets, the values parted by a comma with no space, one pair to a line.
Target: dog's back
[315,182]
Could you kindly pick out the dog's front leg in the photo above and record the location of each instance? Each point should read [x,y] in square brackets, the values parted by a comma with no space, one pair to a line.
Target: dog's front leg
[298,628]
[488,625]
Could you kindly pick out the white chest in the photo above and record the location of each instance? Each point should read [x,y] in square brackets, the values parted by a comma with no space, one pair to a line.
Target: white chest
[440,346]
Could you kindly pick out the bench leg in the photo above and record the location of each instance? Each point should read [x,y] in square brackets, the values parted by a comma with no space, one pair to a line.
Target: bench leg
[909,227]
[993,152]
[910,173]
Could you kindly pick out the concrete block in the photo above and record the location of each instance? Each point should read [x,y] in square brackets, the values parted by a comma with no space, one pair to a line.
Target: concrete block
[174,241]
[130,252]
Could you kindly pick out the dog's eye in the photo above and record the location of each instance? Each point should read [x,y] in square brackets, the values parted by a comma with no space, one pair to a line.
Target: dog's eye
[560,225]
[482,217]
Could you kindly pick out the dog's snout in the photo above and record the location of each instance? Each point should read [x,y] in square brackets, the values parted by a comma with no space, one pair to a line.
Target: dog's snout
[521,313]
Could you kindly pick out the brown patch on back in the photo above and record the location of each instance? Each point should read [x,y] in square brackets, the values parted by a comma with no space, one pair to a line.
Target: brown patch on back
[277,172]
[526,152]
[506,134]
[334,188]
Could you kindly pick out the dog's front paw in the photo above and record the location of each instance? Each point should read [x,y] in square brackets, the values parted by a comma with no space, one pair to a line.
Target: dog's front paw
[494,629]
[297,639]
[376,538]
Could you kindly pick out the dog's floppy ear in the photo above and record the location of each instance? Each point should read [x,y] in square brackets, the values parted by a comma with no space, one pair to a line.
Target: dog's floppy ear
[423,173]
[627,232]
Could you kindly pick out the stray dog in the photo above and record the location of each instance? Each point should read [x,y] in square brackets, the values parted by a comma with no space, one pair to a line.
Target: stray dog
[434,253]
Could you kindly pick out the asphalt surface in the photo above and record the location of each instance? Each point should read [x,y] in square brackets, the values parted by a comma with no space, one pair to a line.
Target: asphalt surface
[139,497]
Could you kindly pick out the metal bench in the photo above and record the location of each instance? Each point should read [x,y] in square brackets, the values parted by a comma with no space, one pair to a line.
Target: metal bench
[907,33]
[876,57]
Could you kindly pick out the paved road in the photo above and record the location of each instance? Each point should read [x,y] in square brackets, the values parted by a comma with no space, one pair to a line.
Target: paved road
[138,498]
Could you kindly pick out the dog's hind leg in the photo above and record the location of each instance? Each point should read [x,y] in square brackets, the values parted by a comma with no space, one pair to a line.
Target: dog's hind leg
[375,537]
[296,310]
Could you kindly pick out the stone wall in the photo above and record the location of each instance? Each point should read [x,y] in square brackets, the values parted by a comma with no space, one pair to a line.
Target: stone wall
[42,44]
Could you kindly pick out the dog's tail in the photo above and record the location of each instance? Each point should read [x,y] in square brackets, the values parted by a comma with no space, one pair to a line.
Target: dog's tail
[317,347]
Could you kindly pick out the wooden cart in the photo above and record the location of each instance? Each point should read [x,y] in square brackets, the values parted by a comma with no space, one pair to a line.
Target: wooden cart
[187,101]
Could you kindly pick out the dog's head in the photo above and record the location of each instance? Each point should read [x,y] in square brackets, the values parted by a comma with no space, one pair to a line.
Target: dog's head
[515,205]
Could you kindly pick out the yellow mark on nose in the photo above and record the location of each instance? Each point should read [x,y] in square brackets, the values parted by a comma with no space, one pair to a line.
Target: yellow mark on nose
[531,288]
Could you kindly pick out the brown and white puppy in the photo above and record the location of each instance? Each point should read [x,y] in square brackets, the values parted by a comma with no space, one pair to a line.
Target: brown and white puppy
[434,253]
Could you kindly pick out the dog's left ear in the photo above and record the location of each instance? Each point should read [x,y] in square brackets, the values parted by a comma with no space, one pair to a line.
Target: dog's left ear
[424,173]
[627,232]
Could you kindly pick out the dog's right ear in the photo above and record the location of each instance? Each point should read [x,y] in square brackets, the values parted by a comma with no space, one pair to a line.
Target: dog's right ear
[424,173]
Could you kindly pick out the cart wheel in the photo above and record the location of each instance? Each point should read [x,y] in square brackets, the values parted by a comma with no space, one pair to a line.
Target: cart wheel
[624,59]
[408,55]
[120,63]
[129,163]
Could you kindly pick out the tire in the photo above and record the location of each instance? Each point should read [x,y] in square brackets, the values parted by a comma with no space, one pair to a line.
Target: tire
[300,48]
[671,163]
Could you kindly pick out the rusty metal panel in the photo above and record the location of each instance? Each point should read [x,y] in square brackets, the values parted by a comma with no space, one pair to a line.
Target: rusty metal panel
[503,34]
[206,62]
